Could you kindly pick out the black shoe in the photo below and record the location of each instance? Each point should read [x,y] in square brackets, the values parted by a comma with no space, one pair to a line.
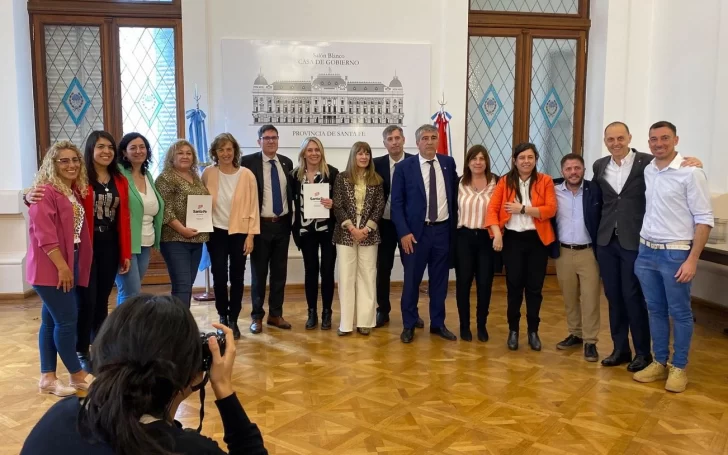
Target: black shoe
[326,319]
[420,324]
[224,321]
[236,329]
[465,334]
[382,319]
[482,334]
[569,342]
[639,363]
[534,341]
[445,333]
[312,320]
[85,360]
[407,335]
[617,358]
[590,352]
[513,340]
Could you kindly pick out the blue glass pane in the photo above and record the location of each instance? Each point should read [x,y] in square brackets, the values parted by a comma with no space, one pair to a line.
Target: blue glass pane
[73,79]
[148,90]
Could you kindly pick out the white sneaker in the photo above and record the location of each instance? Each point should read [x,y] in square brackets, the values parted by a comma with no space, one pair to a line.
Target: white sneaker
[654,372]
[677,380]
[57,388]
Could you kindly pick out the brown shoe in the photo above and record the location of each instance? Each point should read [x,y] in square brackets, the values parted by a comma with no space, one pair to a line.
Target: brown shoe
[278,321]
[256,326]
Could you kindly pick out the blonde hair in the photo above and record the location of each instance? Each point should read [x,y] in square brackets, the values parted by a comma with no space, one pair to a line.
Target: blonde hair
[168,162]
[48,171]
[323,167]
[370,176]
[219,141]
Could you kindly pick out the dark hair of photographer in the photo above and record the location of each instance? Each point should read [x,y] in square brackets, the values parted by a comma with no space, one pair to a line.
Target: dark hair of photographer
[148,358]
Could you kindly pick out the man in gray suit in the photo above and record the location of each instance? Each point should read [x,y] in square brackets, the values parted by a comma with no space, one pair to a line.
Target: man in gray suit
[622,181]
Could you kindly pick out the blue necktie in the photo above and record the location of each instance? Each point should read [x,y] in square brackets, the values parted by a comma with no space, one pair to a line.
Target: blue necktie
[275,185]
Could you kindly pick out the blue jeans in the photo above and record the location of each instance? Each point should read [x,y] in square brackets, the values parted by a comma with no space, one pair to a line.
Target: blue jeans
[666,298]
[130,284]
[57,335]
[182,259]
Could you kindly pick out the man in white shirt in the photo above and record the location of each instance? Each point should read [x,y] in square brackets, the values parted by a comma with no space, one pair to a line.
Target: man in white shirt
[676,226]
[393,139]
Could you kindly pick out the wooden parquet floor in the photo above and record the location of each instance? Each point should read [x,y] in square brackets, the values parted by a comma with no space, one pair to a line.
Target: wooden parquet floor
[312,392]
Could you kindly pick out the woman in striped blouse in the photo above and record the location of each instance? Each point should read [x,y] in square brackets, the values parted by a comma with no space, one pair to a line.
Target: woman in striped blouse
[474,247]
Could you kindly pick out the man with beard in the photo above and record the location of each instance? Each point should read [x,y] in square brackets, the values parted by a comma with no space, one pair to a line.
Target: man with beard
[575,225]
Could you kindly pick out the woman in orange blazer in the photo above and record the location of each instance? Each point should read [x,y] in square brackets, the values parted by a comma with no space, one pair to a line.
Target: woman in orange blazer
[518,217]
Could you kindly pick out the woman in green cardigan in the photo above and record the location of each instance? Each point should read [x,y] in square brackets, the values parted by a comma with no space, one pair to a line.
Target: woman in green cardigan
[146,208]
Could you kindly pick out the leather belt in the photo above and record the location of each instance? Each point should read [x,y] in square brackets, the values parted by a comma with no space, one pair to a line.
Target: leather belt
[272,219]
[575,247]
[684,245]
[435,223]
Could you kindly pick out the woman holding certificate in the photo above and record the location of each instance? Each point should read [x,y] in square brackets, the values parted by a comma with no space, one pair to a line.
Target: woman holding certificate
[235,221]
[181,242]
[313,227]
[358,206]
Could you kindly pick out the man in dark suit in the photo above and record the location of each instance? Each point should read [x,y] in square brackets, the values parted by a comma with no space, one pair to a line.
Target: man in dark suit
[393,139]
[275,197]
[575,226]
[424,212]
[621,178]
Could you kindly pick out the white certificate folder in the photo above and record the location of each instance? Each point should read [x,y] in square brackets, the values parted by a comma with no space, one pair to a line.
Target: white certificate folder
[312,195]
[199,212]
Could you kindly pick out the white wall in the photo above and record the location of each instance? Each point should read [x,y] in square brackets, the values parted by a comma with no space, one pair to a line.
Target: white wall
[17,154]
[441,23]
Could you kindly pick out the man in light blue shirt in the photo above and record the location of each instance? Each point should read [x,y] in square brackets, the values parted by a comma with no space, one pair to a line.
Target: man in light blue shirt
[576,224]
[676,226]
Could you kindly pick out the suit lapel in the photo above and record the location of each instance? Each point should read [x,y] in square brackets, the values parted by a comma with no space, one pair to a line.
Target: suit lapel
[420,179]
[637,163]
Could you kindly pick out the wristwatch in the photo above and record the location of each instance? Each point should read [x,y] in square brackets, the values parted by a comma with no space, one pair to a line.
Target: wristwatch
[523,210]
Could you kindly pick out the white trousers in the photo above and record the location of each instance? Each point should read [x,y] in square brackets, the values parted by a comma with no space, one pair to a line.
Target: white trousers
[357,285]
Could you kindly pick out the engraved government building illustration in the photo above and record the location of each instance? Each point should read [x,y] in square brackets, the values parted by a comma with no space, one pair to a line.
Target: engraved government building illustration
[328,99]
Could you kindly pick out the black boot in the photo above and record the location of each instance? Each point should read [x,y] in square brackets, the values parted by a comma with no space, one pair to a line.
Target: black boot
[224,320]
[326,319]
[312,321]
[236,330]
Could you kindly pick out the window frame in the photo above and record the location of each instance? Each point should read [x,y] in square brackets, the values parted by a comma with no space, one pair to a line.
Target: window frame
[109,16]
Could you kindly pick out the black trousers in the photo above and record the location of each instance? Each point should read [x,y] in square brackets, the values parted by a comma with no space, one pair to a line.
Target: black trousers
[311,242]
[474,257]
[223,247]
[525,258]
[627,306]
[385,263]
[270,251]
[93,300]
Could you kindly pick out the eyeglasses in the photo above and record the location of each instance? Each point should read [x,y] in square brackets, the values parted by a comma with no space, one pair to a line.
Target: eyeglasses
[269,138]
[67,161]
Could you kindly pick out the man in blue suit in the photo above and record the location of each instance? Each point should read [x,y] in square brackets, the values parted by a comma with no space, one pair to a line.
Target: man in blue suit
[424,212]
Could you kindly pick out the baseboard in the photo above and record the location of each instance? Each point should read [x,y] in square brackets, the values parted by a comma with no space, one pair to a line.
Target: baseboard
[17,296]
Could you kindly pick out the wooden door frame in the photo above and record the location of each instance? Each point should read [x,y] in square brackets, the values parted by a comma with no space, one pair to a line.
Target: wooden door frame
[525,27]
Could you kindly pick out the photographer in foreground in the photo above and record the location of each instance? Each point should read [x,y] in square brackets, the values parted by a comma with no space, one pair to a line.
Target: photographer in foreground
[149,356]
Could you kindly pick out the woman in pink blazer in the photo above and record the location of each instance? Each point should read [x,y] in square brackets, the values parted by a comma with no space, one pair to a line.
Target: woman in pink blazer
[59,258]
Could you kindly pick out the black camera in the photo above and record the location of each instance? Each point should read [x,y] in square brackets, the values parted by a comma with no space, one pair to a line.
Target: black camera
[206,353]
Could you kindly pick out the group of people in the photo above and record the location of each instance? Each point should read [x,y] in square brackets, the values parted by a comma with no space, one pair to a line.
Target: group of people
[95,216]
